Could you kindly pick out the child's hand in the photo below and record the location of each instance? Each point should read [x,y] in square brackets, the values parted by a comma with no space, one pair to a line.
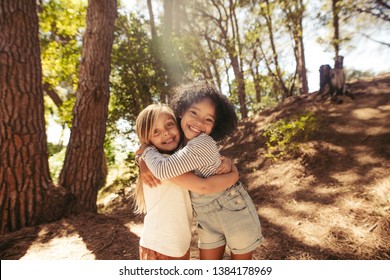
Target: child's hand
[225,167]
[147,177]
[141,149]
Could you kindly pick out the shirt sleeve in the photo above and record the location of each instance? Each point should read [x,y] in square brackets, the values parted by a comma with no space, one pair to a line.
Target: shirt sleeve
[198,152]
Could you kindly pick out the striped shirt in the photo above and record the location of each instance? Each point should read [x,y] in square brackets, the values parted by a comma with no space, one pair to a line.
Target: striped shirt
[200,155]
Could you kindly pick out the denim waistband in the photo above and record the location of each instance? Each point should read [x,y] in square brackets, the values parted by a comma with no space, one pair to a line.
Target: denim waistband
[216,204]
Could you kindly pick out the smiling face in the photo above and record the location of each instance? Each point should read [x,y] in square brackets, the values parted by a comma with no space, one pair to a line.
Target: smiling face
[165,134]
[198,118]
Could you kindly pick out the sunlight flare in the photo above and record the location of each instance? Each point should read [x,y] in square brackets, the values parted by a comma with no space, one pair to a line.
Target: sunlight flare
[65,247]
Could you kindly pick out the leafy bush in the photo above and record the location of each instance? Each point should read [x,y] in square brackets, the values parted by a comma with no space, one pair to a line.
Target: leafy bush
[56,160]
[121,175]
[285,136]
[120,183]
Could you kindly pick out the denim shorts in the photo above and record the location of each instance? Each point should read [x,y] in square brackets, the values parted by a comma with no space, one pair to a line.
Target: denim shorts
[230,220]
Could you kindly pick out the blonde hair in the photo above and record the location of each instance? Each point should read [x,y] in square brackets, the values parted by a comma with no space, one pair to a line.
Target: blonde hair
[144,126]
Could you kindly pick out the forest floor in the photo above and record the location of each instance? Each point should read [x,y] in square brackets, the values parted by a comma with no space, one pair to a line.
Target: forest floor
[330,201]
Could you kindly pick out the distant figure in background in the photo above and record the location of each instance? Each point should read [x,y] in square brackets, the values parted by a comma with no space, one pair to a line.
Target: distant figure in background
[337,79]
[332,81]
[324,79]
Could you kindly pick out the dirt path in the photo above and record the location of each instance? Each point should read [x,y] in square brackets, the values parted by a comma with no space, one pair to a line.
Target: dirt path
[331,202]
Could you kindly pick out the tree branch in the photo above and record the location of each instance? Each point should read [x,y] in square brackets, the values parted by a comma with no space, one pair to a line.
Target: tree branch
[376,41]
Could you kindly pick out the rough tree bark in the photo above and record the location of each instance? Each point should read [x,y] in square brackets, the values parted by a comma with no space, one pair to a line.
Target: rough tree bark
[27,194]
[82,170]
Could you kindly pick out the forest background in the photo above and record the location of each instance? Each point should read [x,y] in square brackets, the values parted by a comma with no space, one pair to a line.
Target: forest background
[365,44]
[96,66]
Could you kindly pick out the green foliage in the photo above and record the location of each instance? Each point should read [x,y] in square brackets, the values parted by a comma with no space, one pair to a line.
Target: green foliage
[267,101]
[53,148]
[285,136]
[197,56]
[268,98]
[120,178]
[131,164]
[109,150]
[357,74]
[136,77]
[65,112]
[56,160]
[61,24]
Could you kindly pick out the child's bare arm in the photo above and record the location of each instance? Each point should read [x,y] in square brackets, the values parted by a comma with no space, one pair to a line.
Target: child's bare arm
[147,176]
[199,152]
[208,185]
[140,150]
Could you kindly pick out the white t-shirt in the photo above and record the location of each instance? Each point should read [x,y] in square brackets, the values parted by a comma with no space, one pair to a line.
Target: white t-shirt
[167,224]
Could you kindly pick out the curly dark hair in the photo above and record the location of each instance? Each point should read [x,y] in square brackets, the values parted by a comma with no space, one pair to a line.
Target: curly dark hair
[186,95]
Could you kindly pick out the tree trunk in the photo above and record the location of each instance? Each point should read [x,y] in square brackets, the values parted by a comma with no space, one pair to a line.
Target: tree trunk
[25,181]
[254,69]
[236,60]
[256,83]
[301,63]
[278,72]
[213,62]
[301,67]
[294,11]
[171,58]
[232,47]
[156,50]
[240,83]
[82,170]
[151,20]
[336,38]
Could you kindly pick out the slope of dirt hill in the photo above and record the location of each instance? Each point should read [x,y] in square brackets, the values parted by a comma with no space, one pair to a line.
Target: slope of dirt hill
[329,201]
